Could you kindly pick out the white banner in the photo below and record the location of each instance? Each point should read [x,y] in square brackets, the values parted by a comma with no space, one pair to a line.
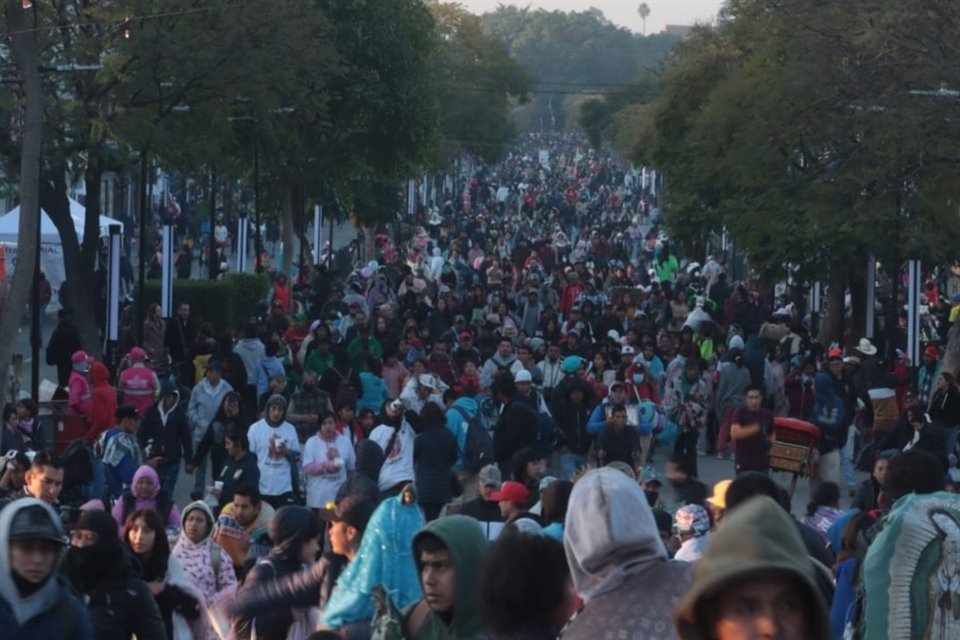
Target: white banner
[51,261]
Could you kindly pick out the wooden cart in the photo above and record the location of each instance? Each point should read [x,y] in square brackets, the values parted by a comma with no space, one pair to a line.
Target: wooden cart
[795,449]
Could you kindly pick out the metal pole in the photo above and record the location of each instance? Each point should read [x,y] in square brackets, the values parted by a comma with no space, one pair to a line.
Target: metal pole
[913,311]
[317,233]
[871,296]
[242,226]
[142,258]
[113,298]
[256,199]
[35,337]
[330,254]
[213,263]
[166,279]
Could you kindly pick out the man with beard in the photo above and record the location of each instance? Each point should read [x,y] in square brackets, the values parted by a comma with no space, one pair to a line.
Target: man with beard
[118,600]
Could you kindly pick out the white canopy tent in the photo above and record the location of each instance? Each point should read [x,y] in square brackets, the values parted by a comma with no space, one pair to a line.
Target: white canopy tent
[51,249]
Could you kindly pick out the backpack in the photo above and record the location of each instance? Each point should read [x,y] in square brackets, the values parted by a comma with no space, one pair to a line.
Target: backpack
[478,448]
[910,582]
[346,394]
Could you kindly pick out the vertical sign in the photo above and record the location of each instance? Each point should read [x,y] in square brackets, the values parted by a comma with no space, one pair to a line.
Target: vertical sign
[166,279]
[914,293]
[411,197]
[871,296]
[317,233]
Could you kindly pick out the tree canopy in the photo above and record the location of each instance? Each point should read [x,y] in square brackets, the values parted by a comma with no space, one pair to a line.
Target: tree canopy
[571,53]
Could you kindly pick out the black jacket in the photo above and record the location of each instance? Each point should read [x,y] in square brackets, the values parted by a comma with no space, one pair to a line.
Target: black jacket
[236,473]
[516,429]
[64,341]
[945,407]
[174,439]
[121,605]
[434,453]
[572,421]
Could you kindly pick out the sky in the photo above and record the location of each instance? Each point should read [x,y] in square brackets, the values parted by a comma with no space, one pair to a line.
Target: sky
[620,12]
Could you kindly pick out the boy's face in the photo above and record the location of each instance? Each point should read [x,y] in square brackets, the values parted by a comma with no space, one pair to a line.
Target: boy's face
[438,578]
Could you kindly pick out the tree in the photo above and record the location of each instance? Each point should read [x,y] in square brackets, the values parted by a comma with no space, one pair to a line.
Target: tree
[23,47]
[802,134]
[572,53]
[478,82]
[644,12]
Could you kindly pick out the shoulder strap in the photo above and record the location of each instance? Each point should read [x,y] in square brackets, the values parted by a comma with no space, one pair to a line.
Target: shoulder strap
[391,442]
[416,618]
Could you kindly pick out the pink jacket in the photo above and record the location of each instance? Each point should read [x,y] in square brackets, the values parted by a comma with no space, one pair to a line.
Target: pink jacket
[197,559]
[139,385]
[80,393]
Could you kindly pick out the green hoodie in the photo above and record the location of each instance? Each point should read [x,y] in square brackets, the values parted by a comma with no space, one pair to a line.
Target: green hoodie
[466,541]
[758,538]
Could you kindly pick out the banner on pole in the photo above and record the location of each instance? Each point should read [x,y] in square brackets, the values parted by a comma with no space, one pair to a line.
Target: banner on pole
[113,286]
[243,227]
[317,233]
[914,295]
[166,277]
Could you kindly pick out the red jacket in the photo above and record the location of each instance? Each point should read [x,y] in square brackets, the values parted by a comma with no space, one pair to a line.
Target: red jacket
[103,404]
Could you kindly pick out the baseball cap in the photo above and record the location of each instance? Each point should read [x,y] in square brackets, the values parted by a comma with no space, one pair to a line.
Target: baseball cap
[489,476]
[465,335]
[617,383]
[80,356]
[651,475]
[851,360]
[126,411]
[215,365]
[353,510]
[36,521]
[835,354]
[523,376]
[512,491]
[546,481]
[137,354]
[692,518]
[570,364]
[719,497]
[459,319]
[627,350]
[931,352]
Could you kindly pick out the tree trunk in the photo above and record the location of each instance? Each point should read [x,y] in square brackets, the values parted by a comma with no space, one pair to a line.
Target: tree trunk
[79,260]
[286,212]
[832,321]
[858,305]
[23,46]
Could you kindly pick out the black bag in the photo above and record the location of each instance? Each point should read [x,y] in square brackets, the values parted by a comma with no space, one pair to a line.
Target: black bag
[346,394]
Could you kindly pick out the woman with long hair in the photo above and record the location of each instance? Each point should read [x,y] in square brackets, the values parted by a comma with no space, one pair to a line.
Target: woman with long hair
[178,600]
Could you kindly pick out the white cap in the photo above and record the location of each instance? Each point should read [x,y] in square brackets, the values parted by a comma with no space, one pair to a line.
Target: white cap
[523,376]
[627,350]
[427,380]
[612,334]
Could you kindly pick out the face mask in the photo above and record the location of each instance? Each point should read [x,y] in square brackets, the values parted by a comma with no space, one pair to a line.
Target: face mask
[638,377]
[652,496]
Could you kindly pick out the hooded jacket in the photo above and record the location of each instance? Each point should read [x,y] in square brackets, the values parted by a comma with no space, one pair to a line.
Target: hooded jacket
[199,560]
[118,600]
[462,411]
[103,405]
[205,401]
[466,542]
[618,564]
[757,539]
[265,438]
[159,502]
[49,612]
[166,433]
[828,413]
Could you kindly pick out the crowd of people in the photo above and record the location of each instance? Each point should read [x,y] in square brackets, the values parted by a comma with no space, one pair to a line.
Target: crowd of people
[463,439]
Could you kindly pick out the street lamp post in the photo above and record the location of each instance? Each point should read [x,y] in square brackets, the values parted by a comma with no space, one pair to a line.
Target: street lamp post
[257,240]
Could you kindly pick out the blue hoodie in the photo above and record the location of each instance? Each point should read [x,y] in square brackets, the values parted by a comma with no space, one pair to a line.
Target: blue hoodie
[458,426]
[828,411]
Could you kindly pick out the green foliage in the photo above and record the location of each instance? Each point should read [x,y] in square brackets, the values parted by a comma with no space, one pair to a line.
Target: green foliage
[250,289]
[573,52]
[478,82]
[798,128]
[210,301]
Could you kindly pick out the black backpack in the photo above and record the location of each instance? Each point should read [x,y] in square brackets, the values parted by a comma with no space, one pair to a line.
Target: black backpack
[478,449]
[346,394]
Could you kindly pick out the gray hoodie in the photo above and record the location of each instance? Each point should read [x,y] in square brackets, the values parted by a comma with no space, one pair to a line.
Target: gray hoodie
[251,351]
[618,563]
[50,611]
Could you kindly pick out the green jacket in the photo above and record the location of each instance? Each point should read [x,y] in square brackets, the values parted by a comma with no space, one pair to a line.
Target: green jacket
[466,541]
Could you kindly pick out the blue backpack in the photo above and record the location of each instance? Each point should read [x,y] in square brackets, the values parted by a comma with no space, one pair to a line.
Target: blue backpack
[478,448]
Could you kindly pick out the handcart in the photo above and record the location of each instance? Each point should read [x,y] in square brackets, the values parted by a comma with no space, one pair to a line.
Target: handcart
[795,449]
